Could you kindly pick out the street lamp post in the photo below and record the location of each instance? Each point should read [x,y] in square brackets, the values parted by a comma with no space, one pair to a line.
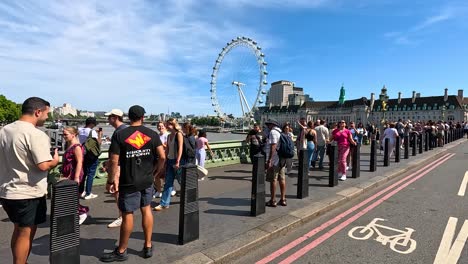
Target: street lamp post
[383,97]
[443,109]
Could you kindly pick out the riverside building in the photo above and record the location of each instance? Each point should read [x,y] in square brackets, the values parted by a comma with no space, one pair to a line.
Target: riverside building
[373,110]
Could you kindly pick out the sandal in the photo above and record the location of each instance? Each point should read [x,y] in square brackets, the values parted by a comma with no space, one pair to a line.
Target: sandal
[282,202]
[271,203]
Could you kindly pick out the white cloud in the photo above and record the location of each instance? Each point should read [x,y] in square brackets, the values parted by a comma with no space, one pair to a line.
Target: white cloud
[98,55]
[408,36]
[444,15]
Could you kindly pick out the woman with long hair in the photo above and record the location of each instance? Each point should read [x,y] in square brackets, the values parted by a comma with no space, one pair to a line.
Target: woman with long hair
[202,145]
[311,136]
[174,149]
[163,134]
[72,164]
[190,132]
[343,138]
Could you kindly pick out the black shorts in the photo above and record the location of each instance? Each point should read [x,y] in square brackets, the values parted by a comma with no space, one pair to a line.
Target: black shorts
[26,212]
[130,202]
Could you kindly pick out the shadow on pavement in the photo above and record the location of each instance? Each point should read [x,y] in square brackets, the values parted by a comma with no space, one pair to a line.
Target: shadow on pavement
[98,220]
[239,171]
[228,212]
[227,201]
[237,178]
[157,237]
[88,247]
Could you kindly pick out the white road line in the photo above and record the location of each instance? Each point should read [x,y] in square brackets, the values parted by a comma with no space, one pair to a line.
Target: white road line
[449,253]
[464,183]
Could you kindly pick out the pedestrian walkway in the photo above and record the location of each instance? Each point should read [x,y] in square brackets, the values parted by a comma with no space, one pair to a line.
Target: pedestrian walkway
[225,225]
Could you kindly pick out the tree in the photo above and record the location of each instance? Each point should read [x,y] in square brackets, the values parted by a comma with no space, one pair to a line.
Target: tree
[9,110]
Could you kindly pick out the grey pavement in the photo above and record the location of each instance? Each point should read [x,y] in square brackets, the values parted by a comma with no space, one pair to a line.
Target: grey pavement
[226,229]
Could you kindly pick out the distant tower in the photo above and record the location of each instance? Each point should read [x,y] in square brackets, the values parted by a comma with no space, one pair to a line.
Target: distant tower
[342,95]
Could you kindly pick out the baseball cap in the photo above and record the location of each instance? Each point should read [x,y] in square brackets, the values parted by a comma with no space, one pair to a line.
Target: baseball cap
[136,112]
[116,112]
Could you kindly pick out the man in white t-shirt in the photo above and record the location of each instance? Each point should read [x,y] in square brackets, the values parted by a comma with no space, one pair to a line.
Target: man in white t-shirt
[25,160]
[275,166]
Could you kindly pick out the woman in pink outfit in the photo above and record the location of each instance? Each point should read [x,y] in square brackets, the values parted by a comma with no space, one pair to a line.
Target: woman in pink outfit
[202,145]
[343,138]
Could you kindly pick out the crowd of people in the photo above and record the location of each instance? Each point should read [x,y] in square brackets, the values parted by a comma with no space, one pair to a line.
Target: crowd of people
[313,136]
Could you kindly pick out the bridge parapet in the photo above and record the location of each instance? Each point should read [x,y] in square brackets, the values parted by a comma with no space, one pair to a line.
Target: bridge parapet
[225,153]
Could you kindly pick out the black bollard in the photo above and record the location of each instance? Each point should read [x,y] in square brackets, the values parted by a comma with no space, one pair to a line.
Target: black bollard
[397,149]
[303,175]
[257,198]
[427,138]
[431,141]
[64,226]
[373,156]
[420,142]
[415,143]
[333,171]
[189,217]
[445,136]
[406,147]
[386,159]
[356,172]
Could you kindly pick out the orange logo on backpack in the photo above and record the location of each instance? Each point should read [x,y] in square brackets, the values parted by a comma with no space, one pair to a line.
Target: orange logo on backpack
[138,139]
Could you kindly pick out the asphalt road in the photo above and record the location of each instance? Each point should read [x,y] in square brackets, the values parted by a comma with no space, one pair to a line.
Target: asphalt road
[429,201]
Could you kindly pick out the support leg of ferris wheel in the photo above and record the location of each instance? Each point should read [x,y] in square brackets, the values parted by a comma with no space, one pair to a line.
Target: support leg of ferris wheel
[247,106]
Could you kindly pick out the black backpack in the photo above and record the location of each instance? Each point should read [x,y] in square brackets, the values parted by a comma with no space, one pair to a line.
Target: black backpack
[286,147]
[188,148]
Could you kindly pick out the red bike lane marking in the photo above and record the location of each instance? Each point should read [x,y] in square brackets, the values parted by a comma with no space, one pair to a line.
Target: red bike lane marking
[311,233]
[338,228]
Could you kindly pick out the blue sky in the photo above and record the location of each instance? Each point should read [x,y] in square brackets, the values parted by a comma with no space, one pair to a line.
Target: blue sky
[98,54]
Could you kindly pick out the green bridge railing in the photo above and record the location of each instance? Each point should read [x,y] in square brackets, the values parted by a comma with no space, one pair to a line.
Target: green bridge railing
[225,153]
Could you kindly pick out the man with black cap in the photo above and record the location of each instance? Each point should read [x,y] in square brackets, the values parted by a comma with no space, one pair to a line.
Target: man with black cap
[274,165]
[138,150]
[90,161]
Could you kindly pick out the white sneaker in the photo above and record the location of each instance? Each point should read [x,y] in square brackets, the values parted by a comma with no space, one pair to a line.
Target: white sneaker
[117,222]
[157,195]
[201,179]
[347,168]
[343,177]
[173,193]
[91,196]
[82,218]
[83,194]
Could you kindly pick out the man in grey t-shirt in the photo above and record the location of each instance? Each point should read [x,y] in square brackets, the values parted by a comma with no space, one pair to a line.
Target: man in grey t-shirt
[25,160]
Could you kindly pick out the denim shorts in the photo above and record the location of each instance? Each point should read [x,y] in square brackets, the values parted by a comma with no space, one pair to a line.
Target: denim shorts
[130,202]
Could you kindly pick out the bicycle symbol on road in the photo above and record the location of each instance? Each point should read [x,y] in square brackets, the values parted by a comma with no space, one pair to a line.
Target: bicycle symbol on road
[401,243]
